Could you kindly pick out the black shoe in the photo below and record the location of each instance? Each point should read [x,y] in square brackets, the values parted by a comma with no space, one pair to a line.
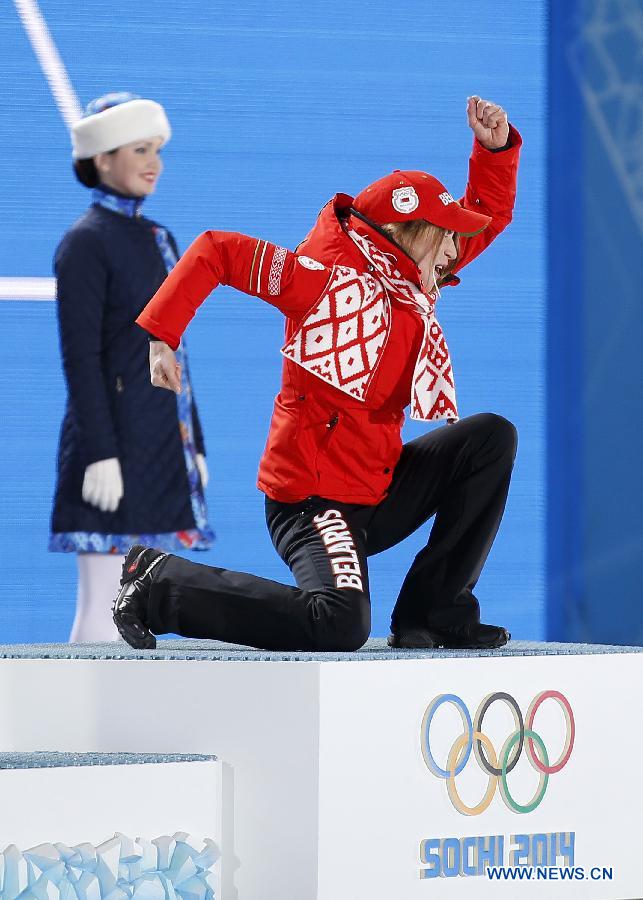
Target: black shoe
[474,636]
[412,639]
[130,606]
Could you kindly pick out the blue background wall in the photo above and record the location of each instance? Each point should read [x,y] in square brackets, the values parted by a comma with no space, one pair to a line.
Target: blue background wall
[275,107]
[595,323]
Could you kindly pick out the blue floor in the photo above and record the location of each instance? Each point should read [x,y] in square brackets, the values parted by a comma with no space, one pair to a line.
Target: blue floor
[375,649]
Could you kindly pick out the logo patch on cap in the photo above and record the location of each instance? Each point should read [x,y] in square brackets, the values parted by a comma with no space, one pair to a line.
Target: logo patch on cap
[405,200]
[446,198]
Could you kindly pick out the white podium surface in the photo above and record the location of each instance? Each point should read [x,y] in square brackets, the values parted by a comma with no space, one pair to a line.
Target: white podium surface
[374,775]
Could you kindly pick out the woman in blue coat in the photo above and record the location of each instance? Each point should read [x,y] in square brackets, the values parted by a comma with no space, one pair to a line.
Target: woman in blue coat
[115,486]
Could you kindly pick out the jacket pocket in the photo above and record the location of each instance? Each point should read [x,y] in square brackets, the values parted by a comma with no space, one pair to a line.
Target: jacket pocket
[326,439]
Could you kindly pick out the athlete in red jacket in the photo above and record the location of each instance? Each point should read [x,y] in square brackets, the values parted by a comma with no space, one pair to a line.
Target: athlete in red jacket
[362,343]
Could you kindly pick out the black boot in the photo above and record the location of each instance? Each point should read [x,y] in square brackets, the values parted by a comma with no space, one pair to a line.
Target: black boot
[474,636]
[412,639]
[130,606]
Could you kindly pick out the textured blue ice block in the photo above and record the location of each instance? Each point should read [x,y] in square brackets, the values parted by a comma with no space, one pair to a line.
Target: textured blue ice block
[177,867]
[16,872]
[150,887]
[166,847]
[149,859]
[108,856]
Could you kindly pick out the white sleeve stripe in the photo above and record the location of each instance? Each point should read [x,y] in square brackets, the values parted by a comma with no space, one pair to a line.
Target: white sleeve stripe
[263,253]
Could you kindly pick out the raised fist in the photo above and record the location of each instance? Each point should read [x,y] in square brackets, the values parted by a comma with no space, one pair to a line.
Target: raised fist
[488,122]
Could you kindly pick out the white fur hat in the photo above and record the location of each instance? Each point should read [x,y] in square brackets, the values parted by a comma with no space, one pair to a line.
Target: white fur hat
[106,127]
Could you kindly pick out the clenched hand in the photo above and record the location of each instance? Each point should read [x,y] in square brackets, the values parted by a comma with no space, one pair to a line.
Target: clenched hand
[488,122]
[165,372]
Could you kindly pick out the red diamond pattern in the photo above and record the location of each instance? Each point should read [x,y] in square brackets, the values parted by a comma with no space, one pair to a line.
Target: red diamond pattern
[342,339]
[354,313]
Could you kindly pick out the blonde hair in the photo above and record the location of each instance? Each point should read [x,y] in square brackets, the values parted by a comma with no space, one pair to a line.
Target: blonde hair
[408,234]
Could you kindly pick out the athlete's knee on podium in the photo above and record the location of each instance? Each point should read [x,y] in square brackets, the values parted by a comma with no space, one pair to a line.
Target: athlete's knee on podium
[349,626]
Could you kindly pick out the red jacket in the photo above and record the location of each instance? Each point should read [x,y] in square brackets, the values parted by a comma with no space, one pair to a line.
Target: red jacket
[322,441]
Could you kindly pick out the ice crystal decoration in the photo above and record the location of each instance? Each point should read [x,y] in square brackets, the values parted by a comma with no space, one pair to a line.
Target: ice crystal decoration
[166,868]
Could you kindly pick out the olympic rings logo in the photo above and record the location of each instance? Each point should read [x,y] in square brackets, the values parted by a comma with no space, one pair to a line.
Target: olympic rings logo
[473,739]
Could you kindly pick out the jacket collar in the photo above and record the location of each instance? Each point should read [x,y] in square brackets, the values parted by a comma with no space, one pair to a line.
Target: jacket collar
[328,242]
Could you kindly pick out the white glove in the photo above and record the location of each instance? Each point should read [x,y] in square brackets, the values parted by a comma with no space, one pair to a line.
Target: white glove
[202,466]
[103,484]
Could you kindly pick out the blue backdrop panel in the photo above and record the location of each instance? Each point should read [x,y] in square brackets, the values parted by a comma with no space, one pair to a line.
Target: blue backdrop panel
[595,554]
[275,107]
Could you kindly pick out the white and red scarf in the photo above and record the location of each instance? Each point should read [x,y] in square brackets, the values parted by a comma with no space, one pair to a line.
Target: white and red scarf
[343,338]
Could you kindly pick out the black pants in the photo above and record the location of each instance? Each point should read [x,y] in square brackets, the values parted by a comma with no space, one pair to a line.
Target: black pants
[460,473]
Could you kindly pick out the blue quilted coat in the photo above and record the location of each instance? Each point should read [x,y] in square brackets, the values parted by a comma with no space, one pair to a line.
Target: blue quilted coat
[108,265]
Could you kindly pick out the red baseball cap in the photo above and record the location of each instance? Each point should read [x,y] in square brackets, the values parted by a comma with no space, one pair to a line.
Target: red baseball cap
[402,196]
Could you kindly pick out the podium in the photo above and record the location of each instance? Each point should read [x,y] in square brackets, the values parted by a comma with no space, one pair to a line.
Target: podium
[79,826]
[374,774]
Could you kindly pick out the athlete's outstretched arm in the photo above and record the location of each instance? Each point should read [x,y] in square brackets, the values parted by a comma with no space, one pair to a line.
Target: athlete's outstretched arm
[218,257]
[223,257]
[493,169]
